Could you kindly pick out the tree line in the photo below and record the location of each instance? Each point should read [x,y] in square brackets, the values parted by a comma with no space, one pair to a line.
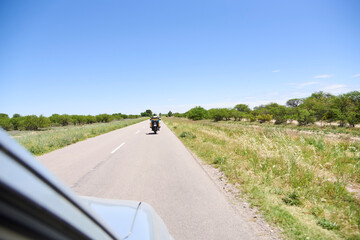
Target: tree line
[323,107]
[33,122]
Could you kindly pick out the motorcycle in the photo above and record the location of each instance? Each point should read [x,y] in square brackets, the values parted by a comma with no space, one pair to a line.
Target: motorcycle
[155,125]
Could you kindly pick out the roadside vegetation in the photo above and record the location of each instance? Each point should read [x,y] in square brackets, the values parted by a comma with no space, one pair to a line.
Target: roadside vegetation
[34,123]
[328,110]
[40,142]
[308,184]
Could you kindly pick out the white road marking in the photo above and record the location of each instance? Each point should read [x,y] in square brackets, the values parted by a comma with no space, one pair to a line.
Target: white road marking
[113,151]
[137,131]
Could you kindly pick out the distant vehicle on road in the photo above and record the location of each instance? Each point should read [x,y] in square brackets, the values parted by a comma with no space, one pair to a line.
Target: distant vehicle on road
[155,123]
[35,205]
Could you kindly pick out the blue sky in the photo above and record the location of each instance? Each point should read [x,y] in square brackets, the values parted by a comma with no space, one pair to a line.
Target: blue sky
[91,57]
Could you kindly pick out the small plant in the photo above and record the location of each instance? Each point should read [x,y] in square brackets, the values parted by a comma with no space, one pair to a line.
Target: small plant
[278,191]
[327,224]
[187,135]
[293,199]
[219,160]
[317,211]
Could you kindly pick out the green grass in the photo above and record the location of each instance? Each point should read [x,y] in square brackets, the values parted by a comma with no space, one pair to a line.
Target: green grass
[40,142]
[325,129]
[298,180]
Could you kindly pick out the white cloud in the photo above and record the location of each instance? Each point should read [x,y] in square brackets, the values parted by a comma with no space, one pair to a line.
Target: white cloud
[276,71]
[356,75]
[335,88]
[301,85]
[323,76]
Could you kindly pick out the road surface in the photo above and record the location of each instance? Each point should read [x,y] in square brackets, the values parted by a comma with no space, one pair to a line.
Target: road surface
[134,164]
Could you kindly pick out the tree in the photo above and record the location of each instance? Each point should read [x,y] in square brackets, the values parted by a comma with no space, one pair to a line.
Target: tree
[319,102]
[295,102]
[170,114]
[43,122]
[147,113]
[197,113]
[104,118]
[217,114]
[242,108]
[5,122]
[236,114]
[280,114]
[264,118]
[353,109]
[305,117]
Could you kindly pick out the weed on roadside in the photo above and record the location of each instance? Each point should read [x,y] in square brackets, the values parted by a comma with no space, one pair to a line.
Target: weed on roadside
[46,141]
[298,180]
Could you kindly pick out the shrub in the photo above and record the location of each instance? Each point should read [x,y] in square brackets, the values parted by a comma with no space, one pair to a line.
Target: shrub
[5,122]
[218,114]
[305,117]
[197,113]
[264,118]
[187,135]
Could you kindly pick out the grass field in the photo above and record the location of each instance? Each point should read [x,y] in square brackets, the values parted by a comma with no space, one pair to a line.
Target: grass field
[308,184]
[324,129]
[40,142]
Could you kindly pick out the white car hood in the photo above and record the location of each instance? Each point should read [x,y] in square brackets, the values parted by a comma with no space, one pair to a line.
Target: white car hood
[129,219]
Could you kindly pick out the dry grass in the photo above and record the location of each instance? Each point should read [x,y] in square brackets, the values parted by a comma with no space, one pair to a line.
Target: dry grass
[40,142]
[298,180]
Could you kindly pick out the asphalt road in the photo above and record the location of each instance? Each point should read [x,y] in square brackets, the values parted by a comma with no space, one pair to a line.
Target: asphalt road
[134,164]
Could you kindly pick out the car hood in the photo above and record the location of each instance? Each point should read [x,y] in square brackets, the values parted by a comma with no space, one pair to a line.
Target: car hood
[129,219]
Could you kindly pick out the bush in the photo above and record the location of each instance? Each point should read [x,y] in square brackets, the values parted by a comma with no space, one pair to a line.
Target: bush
[197,113]
[264,118]
[187,135]
[5,122]
[218,114]
[305,117]
[104,118]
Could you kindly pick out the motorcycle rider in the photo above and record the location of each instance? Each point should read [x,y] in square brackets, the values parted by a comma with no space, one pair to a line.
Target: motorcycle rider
[155,118]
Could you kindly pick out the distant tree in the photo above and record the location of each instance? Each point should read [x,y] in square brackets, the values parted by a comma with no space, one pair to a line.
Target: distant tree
[5,122]
[243,108]
[295,102]
[197,113]
[16,115]
[217,114]
[30,122]
[118,116]
[90,119]
[305,116]
[104,118]
[264,118]
[43,122]
[353,109]
[227,112]
[279,113]
[170,114]
[236,114]
[147,113]
[320,103]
